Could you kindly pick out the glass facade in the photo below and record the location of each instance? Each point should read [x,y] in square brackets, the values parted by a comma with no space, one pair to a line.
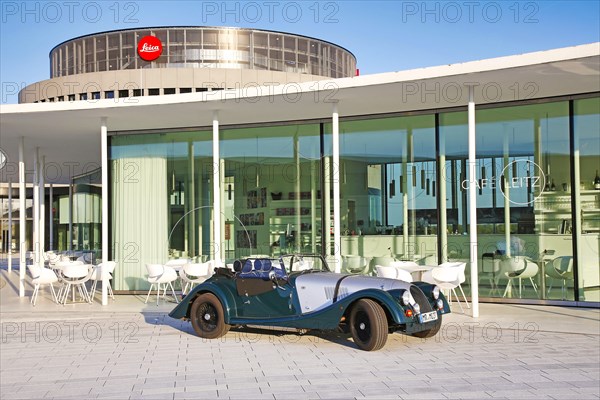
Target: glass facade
[586,160]
[86,214]
[387,183]
[161,196]
[404,195]
[202,47]
[271,190]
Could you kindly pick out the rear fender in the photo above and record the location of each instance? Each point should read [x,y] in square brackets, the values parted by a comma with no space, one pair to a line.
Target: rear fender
[182,311]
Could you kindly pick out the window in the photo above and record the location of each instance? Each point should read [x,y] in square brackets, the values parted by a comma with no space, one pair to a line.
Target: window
[96,95]
[61,98]
[167,91]
[138,92]
[123,93]
[83,96]
[387,176]
[185,90]
[201,89]
[586,127]
[176,167]
[110,94]
[71,97]
[153,92]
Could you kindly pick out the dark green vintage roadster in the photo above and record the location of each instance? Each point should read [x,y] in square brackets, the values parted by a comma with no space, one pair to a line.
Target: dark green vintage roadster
[299,291]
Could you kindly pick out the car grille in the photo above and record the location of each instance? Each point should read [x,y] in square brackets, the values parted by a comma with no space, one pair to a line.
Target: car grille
[421,299]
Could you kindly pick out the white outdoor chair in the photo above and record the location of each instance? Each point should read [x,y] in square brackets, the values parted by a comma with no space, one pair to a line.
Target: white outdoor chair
[384,261]
[393,273]
[560,268]
[302,265]
[58,267]
[355,264]
[193,274]
[490,270]
[518,268]
[97,276]
[86,258]
[159,274]
[42,276]
[52,258]
[461,275]
[76,275]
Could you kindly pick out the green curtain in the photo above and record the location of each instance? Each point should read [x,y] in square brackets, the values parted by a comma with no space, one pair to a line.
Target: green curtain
[139,219]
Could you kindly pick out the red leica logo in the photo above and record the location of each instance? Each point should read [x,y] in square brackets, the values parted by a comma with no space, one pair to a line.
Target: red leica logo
[149,48]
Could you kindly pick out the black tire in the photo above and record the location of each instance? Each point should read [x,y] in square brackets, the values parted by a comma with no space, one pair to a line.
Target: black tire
[430,332]
[208,319]
[368,325]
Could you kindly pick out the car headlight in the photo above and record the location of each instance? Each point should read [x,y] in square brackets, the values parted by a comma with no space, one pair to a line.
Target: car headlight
[440,304]
[405,298]
[417,308]
[435,292]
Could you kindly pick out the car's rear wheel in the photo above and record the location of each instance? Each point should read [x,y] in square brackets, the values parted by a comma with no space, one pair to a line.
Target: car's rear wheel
[430,332]
[368,325]
[207,316]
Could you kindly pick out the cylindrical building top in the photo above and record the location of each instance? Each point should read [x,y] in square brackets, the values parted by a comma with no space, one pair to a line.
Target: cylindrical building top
[203,47]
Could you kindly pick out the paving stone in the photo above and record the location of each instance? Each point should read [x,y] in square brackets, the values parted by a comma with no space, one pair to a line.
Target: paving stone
[168,362]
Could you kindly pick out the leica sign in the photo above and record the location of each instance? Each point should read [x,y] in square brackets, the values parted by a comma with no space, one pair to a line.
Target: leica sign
[149,48]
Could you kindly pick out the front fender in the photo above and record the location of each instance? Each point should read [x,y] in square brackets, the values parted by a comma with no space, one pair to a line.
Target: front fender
[225,296]
[387,299]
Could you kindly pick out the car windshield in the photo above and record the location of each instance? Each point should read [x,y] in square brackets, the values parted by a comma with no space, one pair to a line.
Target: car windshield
[304,262]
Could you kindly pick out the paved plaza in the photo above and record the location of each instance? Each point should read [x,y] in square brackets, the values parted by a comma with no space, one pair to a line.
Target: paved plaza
[132,350]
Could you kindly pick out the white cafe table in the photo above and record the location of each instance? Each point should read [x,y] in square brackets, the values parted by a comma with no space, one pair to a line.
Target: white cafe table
[412,267]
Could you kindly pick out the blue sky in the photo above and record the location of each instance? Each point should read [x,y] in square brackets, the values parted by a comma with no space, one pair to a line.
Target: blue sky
[384,35]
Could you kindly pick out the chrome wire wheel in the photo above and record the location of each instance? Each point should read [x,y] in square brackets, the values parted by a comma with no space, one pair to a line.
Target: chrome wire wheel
[208,319]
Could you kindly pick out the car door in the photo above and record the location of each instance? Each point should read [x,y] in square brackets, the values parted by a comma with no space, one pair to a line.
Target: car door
[274,303]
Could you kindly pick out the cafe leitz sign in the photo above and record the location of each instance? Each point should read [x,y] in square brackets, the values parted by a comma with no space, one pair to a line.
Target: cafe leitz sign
[517,181]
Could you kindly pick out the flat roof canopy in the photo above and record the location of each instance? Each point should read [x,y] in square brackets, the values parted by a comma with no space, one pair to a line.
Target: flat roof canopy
[68,133]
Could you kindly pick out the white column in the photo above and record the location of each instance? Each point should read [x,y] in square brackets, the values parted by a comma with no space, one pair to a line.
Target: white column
[104,166]
[22,221]
[506,195]
[10,211]
[411,249]
[473,206]
[442,196]
[51,218]
[297,206]
[313,207]
[42,200]
[222,208]
[36,208]
[191,190]
[577,193]
[216,189]
[70,235]
[337,237]
[404,184]
[326,236]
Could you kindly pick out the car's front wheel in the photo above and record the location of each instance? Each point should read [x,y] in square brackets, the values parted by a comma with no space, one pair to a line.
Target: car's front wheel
[207,316]
[430,332]
[368,325]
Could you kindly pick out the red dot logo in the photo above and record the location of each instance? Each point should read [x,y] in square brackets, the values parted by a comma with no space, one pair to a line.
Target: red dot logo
[150,48]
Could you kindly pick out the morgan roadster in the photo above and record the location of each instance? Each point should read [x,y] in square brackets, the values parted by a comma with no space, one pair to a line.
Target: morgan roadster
[299,291]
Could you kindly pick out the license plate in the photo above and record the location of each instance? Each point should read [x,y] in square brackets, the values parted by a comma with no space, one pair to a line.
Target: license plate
[427,317]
